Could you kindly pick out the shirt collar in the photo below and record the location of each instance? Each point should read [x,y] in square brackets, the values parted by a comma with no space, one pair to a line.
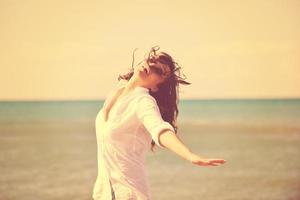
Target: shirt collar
[141,89]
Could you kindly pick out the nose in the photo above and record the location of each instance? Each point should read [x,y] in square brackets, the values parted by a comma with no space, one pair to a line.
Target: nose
[146,68]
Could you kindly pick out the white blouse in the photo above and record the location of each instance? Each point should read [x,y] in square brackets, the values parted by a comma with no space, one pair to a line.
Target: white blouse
[122,143]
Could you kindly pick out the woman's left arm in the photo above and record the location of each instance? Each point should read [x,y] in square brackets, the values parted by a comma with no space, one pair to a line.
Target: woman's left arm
[164,134]
[170,140]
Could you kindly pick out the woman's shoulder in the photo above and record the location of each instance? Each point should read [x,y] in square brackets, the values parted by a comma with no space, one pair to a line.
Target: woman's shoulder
[145,99]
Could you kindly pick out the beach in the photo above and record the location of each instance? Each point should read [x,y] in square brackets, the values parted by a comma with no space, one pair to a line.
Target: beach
[48,151]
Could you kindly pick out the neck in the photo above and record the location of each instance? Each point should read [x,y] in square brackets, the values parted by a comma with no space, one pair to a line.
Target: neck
[133,83]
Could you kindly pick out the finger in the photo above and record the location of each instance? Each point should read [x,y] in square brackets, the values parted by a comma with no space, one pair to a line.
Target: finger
[218,163]
[218,160]
[203,164]
[209,163]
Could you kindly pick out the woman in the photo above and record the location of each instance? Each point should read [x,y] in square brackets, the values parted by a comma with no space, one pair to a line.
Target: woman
[140,113]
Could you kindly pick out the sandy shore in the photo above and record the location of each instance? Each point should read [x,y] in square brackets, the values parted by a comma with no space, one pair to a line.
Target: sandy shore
[57,160]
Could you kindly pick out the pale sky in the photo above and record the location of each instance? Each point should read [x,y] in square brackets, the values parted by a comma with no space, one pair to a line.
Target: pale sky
[75,49]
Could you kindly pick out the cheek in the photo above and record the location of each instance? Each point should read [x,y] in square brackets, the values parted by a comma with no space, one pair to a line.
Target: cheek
[150,78]
[157,79]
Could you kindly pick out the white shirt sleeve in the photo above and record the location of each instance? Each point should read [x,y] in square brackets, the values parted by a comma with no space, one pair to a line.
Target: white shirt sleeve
[148,113]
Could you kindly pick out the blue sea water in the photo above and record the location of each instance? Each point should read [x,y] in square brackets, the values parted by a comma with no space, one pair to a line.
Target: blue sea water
[271,112]
[248,111]
[49,151]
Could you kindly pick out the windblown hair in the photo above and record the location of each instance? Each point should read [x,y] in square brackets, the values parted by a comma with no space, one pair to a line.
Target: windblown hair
[167,94]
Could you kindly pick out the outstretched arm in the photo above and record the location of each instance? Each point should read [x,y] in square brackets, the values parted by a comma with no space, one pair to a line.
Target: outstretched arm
[170,140]
[164,134]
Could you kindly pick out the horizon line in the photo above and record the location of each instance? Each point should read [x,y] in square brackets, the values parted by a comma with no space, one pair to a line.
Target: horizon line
[184,99]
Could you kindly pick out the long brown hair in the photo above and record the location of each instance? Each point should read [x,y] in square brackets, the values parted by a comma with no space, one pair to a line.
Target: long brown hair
[167,94]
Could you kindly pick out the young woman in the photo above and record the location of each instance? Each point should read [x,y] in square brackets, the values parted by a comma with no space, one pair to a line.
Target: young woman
[140,113]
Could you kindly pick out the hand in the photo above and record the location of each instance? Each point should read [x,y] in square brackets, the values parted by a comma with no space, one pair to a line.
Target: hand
[197,160]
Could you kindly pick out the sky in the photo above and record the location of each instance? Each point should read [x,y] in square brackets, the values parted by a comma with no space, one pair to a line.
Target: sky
[75,49]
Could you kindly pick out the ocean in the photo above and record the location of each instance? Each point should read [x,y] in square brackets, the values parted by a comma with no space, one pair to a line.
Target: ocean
[48,150]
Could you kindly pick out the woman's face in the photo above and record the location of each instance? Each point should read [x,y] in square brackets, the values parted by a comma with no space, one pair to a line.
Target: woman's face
[151,74]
